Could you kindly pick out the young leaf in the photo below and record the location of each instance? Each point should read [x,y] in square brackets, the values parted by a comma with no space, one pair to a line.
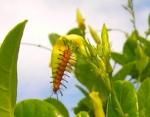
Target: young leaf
[8,70]
[94,35]
[144,98]
[105,43]
[36,108]
[97,104]
[57,104]
[80,20]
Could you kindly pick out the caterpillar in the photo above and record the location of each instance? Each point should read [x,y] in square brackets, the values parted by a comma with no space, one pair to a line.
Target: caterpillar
[65,63]
[63,58]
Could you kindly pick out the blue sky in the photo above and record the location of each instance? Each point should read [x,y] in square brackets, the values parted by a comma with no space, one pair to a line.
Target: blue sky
[47,16]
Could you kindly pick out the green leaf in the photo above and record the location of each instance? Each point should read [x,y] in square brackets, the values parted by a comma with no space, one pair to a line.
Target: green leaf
[53,37]
[57,104]
[119,58]
[36,108]
[144,98]
[8,70]
[123,103]
[77,31]
[124,71]
[82,114]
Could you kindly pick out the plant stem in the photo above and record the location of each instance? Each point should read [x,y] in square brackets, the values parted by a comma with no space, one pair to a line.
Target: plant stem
[36,45]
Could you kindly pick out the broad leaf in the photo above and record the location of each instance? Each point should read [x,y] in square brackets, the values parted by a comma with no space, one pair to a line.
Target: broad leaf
[57,104]
[123,102]
[144,98]
[36,108]
[8,70]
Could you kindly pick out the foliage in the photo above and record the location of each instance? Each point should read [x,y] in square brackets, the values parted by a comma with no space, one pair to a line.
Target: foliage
[125,93]
[8,70]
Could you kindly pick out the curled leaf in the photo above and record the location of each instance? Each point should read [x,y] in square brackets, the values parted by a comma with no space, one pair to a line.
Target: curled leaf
[72,41]
[94,35]
[105,43]
[97,103]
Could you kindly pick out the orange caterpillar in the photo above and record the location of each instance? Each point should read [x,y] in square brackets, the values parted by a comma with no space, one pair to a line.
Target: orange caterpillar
[65,63]
[63,58]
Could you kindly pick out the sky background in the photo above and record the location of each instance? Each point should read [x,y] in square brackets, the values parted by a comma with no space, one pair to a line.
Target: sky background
[47,16]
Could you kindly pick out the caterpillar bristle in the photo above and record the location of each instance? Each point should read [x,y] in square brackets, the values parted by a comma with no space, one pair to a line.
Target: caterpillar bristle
[64,80]
[61,92]
[66,75]
[63,85]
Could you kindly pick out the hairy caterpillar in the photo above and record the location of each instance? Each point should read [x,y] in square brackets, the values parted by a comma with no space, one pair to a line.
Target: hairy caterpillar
[63,58]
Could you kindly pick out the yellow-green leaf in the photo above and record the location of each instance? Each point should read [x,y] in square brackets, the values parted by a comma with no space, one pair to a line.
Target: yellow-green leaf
[105,43]
[95,35]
